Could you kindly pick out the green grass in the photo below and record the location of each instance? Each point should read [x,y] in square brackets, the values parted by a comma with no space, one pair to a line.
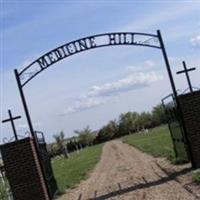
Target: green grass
[69,172]
[157,142]
[196,176]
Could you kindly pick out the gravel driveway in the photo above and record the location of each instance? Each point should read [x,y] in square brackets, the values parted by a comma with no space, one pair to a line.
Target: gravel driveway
[125,173]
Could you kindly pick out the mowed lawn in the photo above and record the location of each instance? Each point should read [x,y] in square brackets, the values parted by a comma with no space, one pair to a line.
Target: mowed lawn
[69,172]
[157,142]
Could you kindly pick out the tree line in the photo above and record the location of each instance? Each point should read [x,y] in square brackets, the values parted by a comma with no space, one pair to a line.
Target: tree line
[127,123]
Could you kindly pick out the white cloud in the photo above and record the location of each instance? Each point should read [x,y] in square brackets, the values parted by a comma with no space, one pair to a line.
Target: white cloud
[150,63]
[132,68]
[86,103]
[133,81]
[195,41]
[102,94]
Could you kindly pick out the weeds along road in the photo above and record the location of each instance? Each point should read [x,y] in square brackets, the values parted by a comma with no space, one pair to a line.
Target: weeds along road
[127,174]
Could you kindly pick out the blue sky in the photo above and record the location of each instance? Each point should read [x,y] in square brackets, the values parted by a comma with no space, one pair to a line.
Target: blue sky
[92,87]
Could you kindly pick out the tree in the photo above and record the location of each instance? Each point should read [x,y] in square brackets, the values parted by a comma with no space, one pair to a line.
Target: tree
[145,120]
[60,139]
[85,136]
[158,115]
[113,128]
[108,132]
[127,123]
[72,145]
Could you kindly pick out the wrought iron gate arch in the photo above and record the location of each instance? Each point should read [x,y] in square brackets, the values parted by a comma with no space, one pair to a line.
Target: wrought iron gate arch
[84,44]
[111,39]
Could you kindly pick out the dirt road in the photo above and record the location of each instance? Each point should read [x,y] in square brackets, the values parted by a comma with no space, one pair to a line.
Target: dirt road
[127,174]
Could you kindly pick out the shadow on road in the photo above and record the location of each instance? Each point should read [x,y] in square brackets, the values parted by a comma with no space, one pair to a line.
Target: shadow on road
[146,184]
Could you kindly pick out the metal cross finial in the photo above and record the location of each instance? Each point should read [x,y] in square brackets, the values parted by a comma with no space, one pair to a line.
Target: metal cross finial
[186,71]
[11,119]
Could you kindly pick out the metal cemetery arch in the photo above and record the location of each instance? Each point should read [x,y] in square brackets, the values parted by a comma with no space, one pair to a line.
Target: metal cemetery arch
[101,40]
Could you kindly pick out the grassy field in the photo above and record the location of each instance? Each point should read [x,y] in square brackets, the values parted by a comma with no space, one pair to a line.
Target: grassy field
[157,142]
[69,172]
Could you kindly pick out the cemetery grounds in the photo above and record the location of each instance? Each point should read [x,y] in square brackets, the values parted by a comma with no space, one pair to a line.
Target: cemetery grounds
[126,170]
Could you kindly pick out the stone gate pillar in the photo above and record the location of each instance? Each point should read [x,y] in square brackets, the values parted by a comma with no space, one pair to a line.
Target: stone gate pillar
[190,106]
[23,170]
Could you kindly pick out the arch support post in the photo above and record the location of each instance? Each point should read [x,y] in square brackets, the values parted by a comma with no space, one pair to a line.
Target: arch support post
[20,87]
[189,149]
[24,103]
[167,63]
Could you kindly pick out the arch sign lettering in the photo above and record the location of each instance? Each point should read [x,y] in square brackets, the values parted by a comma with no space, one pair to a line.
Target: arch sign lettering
[87,43]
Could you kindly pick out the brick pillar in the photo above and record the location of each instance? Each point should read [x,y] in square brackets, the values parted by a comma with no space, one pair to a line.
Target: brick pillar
[23,170]
[190,105]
